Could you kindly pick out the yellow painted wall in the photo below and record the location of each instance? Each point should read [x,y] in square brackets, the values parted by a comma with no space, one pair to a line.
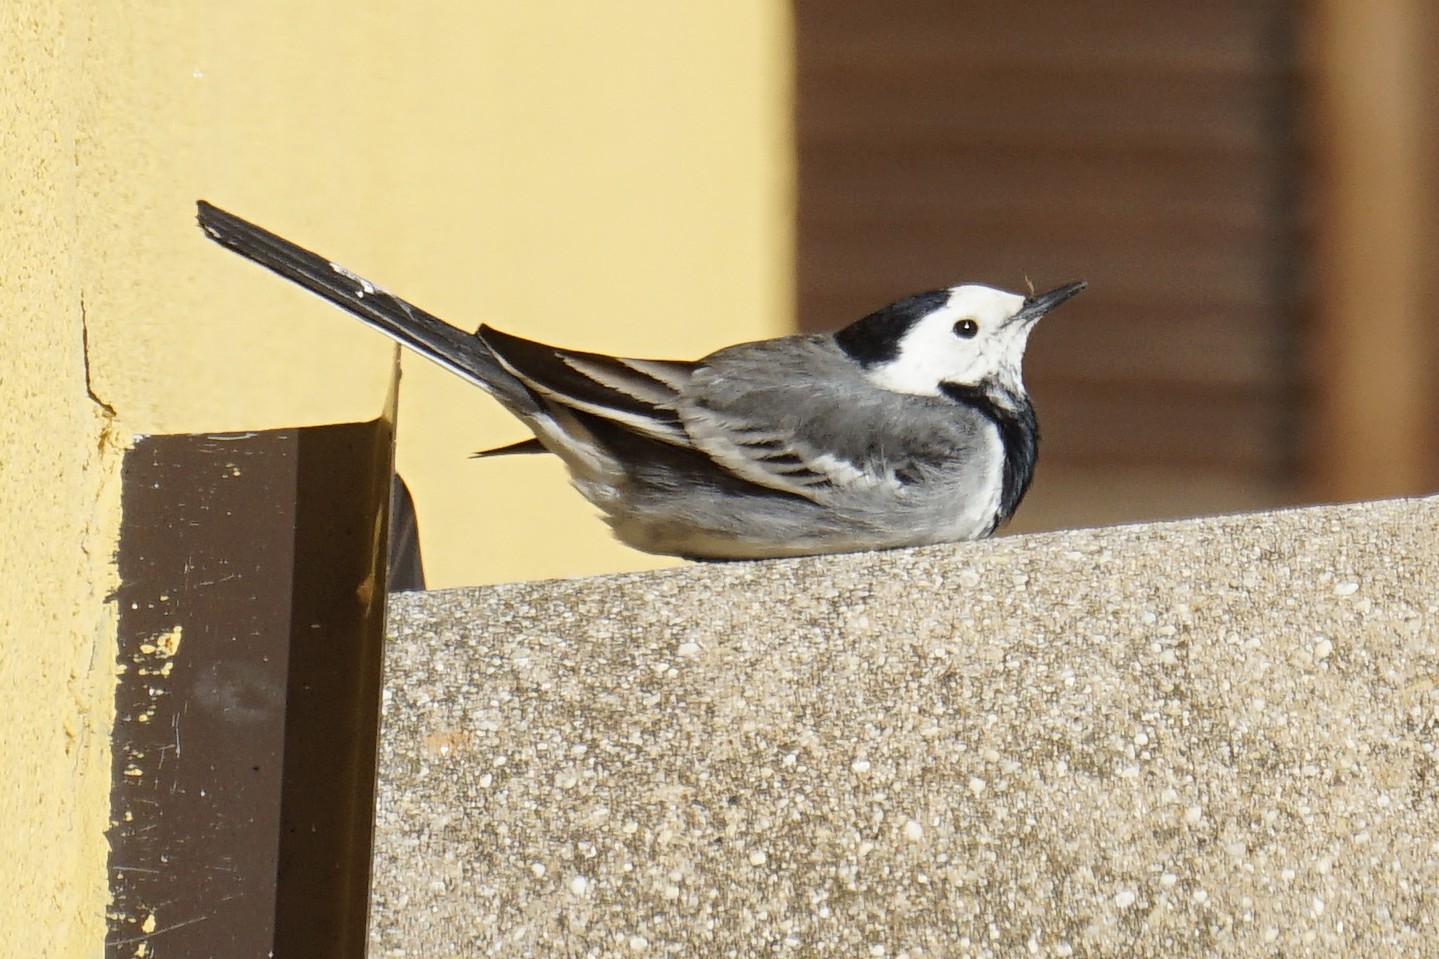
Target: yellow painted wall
[610,176]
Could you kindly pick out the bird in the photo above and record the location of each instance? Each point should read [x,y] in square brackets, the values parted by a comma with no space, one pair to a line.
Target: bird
[910,426]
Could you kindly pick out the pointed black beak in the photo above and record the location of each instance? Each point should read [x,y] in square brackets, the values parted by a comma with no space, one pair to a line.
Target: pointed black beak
[1036,306]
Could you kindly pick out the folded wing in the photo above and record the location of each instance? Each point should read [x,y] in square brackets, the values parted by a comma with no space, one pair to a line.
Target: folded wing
[639,395]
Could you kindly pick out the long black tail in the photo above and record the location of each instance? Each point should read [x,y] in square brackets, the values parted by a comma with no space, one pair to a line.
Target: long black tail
[461,352]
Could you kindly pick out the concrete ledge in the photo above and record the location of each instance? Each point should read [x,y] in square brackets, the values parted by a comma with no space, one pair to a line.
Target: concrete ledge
[1208,738]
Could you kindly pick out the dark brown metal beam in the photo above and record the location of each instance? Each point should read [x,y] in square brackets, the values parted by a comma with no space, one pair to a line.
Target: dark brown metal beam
[251,619]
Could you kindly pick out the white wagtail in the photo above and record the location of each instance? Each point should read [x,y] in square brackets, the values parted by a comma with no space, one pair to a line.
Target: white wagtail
[909,426]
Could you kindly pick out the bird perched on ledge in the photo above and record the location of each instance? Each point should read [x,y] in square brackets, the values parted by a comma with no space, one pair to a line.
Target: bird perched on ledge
[909,426]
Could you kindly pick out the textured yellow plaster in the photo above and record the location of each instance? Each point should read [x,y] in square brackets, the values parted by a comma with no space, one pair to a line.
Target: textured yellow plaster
[58,517]
[259,107]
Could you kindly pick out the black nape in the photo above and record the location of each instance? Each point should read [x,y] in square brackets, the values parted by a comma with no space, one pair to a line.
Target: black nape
[875,338]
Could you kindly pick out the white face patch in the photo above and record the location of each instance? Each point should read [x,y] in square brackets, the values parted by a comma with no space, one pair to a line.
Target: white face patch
[933,352]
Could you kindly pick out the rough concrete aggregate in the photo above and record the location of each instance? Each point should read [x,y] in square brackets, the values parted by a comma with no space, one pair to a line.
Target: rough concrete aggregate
[1208,738]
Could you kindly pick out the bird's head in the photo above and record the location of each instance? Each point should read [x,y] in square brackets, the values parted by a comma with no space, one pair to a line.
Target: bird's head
[964,336]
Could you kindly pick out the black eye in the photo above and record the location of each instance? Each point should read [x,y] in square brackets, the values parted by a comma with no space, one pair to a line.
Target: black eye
[966,329]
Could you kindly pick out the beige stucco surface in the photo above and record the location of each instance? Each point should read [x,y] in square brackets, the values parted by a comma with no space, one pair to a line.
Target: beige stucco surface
[608,176]
[1208,738]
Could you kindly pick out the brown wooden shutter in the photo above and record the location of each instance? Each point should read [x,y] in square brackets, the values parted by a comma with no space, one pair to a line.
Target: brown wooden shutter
[1145,147]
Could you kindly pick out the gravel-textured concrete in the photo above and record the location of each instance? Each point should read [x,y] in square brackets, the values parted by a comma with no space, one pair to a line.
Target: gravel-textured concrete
[1209,738]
